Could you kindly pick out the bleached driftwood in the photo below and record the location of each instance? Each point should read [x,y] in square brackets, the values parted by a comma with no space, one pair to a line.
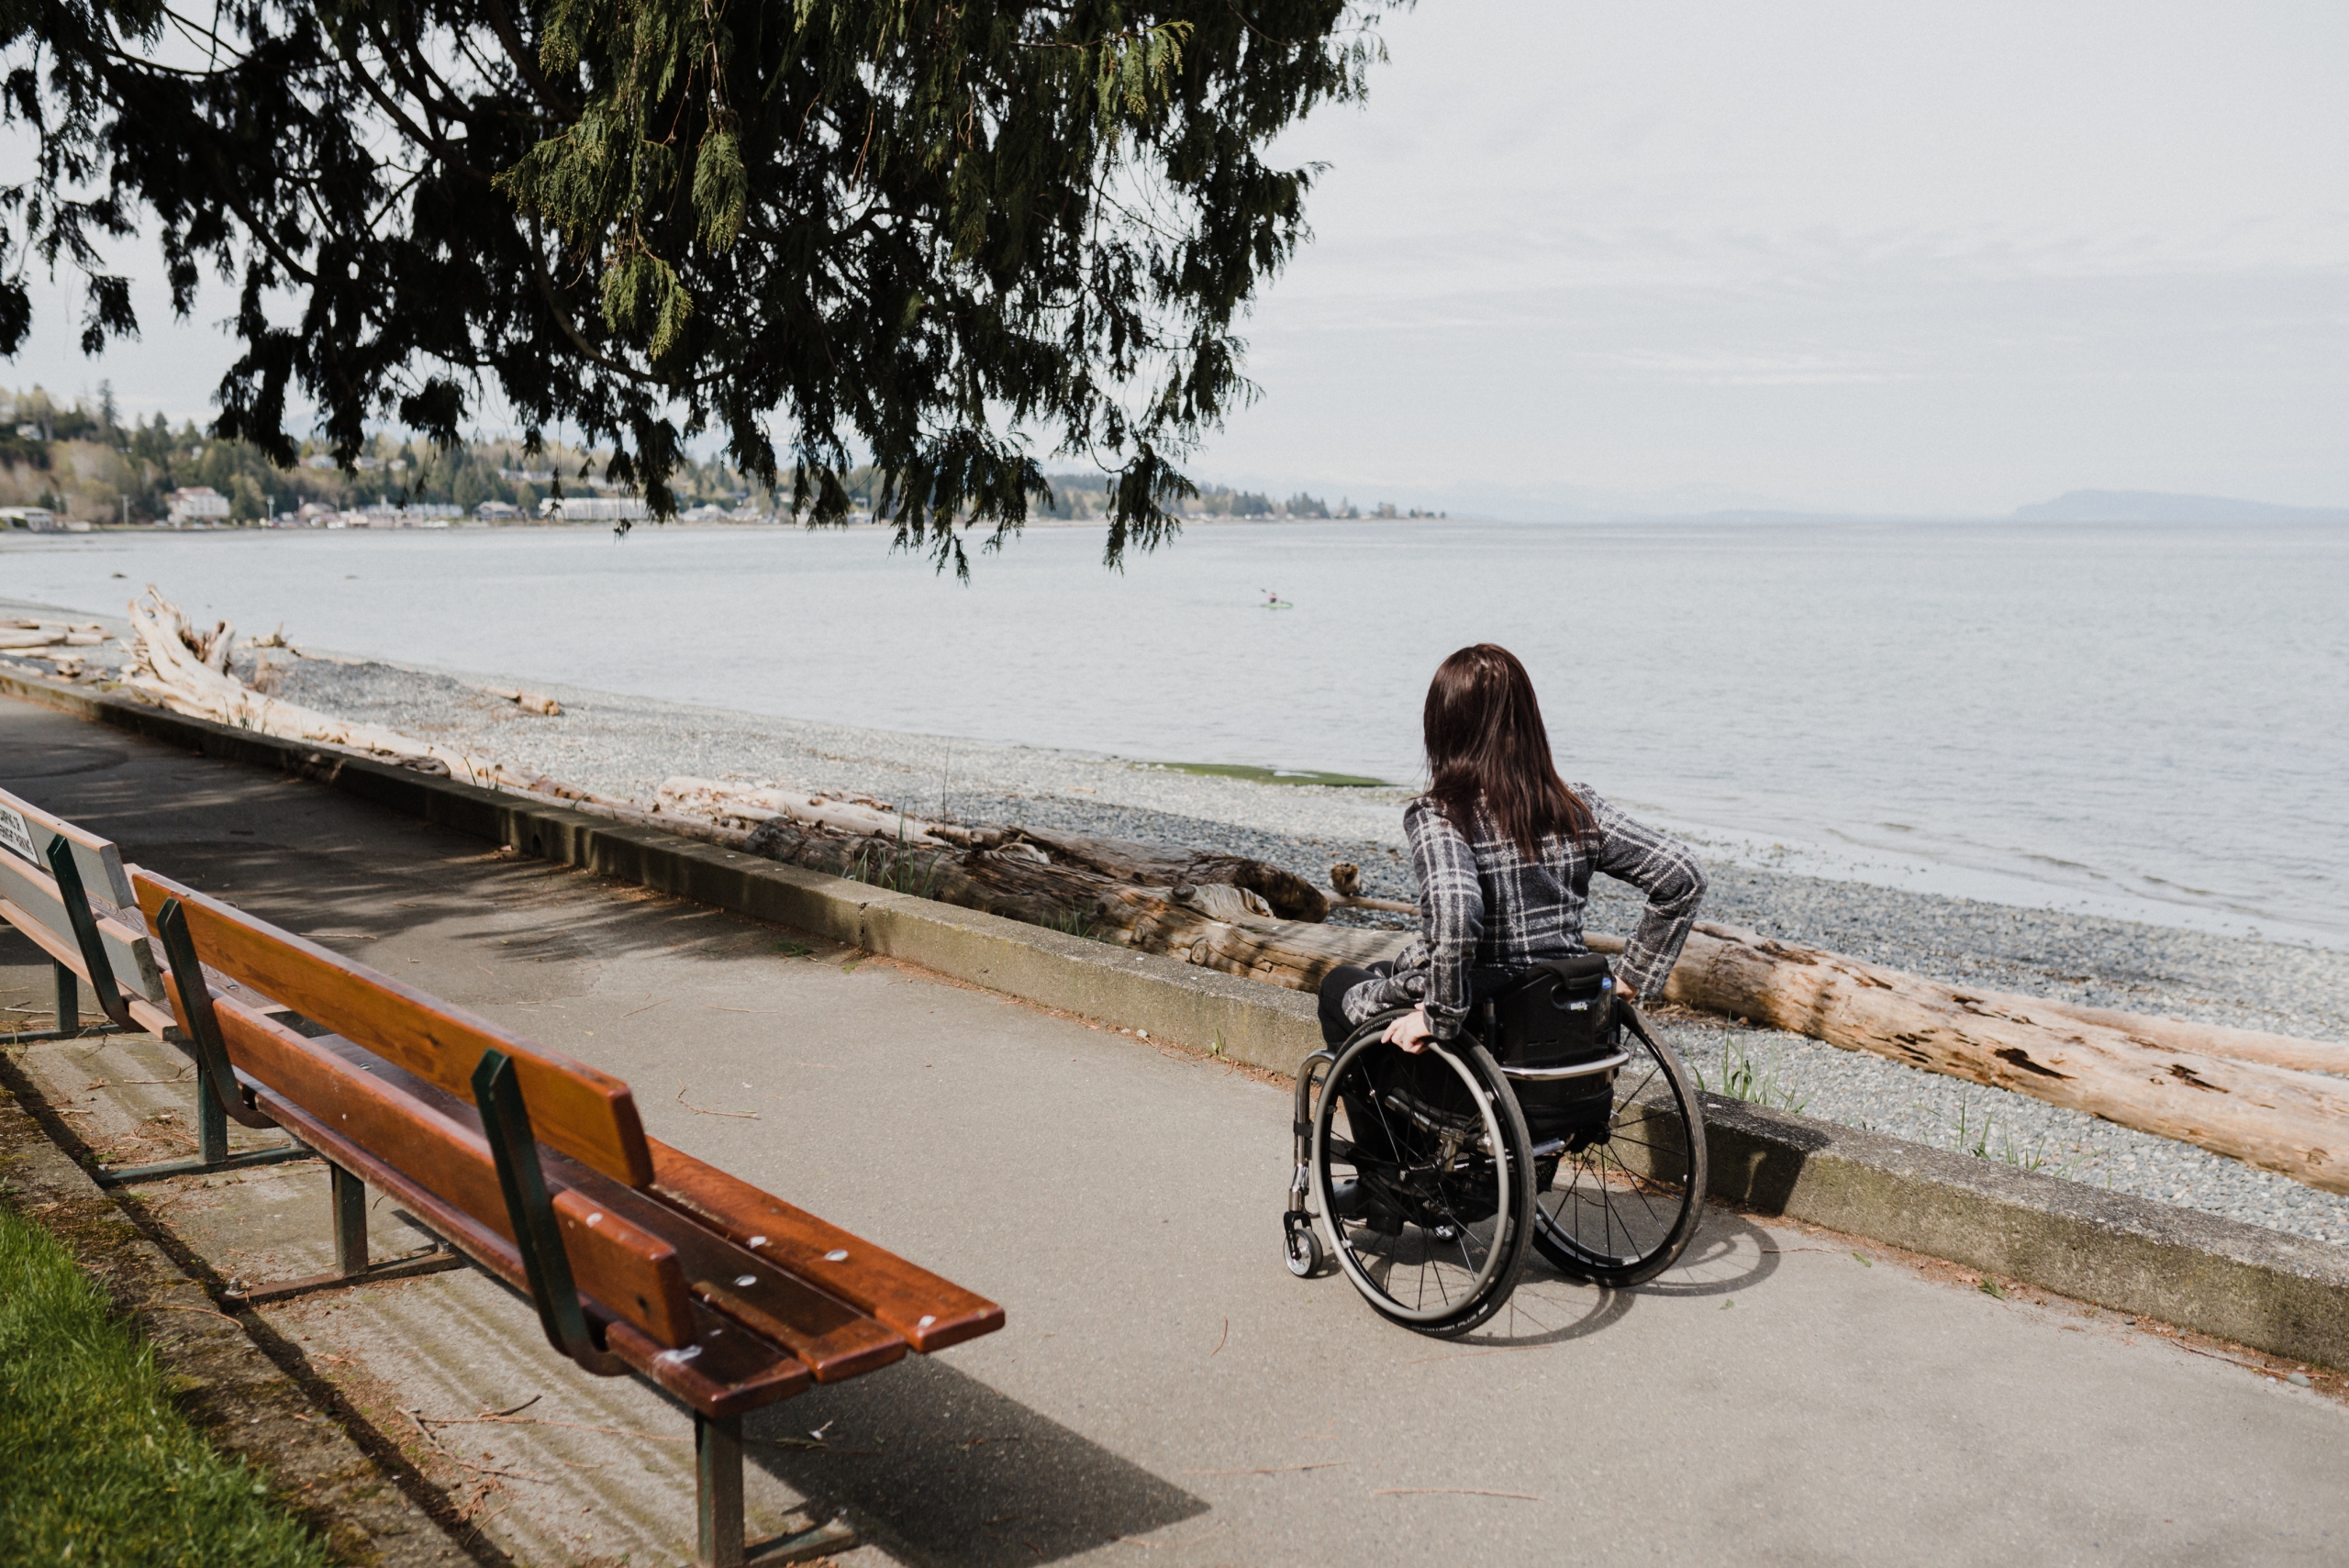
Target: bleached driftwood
[750,806]
[2215,1040]
[529,702]
[2274,1118]
[187,671]
[1276,892]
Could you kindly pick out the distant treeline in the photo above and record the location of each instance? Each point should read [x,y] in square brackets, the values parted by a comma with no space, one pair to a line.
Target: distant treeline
[81,460]
[1086,496]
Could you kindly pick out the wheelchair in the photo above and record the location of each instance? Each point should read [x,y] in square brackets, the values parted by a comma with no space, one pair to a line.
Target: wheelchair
[1557,1122]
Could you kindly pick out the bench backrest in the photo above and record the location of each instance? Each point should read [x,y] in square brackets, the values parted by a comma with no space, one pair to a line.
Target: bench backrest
[26,834]
[587,1114]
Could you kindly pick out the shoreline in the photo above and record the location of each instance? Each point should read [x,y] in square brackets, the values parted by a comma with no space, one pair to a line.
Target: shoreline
[1894,813]
[624,745]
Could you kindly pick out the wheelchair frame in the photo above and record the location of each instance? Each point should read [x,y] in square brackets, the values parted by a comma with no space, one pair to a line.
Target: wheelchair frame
[1602,1175]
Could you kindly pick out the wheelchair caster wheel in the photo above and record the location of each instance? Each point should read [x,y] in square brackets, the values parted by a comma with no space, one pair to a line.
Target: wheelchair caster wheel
[1302,1250]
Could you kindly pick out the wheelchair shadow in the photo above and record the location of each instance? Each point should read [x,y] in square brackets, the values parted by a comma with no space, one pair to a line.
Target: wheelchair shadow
[1729,1255]
[935,1466]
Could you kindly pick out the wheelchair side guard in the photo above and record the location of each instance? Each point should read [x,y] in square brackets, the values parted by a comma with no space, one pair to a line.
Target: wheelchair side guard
[1301,1248]
[1308,1074]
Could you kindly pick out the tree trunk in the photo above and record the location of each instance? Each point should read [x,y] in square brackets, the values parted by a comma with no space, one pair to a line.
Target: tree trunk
[2215,1040]
[2293,1122]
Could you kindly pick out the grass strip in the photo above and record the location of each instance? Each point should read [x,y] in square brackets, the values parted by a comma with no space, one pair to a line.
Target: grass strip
[100,1467]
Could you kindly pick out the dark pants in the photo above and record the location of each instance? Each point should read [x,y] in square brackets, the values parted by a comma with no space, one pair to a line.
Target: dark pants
[1422,1076]
[1340,980]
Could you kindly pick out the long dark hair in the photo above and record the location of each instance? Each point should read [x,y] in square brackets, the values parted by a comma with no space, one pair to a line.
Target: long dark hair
[1487,743]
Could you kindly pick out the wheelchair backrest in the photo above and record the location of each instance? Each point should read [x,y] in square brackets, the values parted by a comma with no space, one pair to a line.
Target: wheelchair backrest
[1559,1011]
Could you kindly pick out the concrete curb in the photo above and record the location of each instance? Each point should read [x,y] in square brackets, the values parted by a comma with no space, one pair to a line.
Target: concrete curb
[2262,1288]
[2284,1295]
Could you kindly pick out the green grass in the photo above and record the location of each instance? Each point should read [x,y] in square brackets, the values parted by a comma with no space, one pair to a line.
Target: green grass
[100,1467]
[1273,775]
[1741,1080]
[1974,1137]
[1075,923]
[879,868]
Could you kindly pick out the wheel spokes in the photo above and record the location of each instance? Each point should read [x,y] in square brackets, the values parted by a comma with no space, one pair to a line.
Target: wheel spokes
[1625,1198]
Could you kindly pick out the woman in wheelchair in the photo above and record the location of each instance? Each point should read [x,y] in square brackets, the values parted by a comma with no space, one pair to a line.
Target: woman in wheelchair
[1493,1087]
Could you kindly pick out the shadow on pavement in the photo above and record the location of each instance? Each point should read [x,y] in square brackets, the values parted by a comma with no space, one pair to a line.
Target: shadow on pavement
[940,1468]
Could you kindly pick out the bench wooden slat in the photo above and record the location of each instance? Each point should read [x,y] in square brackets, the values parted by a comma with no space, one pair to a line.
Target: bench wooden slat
[585,1113]
[65,950]
[722,1372]
[930,1312]
[99,861]
[634,1274]
[835,1340]
[27,885]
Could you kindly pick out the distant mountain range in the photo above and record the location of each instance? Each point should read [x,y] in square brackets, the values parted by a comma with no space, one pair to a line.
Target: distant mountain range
[2156,506]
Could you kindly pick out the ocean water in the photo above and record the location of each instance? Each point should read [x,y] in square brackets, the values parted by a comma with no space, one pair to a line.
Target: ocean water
[2144,720]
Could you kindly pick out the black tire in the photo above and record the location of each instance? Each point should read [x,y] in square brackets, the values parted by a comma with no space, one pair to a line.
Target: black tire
[1301,1250]
[1453,1189]
[1622,1209]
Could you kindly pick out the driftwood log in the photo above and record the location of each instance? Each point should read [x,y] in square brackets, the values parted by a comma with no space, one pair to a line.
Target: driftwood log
[1218,923]
[2274,1118]
[187,671]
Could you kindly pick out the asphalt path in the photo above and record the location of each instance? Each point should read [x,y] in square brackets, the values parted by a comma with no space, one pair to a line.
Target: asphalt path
[1164,1392]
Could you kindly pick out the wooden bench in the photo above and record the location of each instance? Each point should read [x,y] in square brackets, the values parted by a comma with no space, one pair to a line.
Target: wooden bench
[66,890]
[638,1257]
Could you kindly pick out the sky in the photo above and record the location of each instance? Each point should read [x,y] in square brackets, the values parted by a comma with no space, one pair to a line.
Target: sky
[1933,258]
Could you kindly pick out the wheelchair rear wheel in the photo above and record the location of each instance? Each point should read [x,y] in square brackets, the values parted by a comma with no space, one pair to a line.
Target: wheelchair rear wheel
[1440,1173]
[1620,1209]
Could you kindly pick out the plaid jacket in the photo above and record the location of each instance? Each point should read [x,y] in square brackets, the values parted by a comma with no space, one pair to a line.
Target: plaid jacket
[1488,913]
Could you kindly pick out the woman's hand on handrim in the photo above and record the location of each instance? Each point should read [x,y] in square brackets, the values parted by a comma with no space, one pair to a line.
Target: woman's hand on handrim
[1410,1031]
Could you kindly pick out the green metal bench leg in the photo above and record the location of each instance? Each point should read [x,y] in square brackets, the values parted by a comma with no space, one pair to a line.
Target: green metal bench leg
[352,1265]
[349,1223]
[219,1095]
[717,1477]
[76,899]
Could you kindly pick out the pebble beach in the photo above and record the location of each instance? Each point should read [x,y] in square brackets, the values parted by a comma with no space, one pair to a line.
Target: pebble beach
[626,746]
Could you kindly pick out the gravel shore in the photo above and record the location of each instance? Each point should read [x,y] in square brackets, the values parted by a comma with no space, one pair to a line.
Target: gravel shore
[626,746]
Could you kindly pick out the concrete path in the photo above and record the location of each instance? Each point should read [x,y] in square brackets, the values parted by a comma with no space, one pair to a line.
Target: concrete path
[1165,1391]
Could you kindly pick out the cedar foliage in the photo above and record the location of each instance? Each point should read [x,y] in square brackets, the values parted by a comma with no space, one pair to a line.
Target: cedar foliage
[940,231]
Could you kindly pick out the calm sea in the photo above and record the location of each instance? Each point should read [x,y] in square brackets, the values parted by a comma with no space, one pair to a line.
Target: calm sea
[2150,721]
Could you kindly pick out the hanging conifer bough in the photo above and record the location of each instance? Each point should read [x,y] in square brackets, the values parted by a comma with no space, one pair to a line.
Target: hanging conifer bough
[946,235]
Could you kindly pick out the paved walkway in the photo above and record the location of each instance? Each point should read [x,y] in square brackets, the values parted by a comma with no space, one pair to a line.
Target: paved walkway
[1165,1391]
